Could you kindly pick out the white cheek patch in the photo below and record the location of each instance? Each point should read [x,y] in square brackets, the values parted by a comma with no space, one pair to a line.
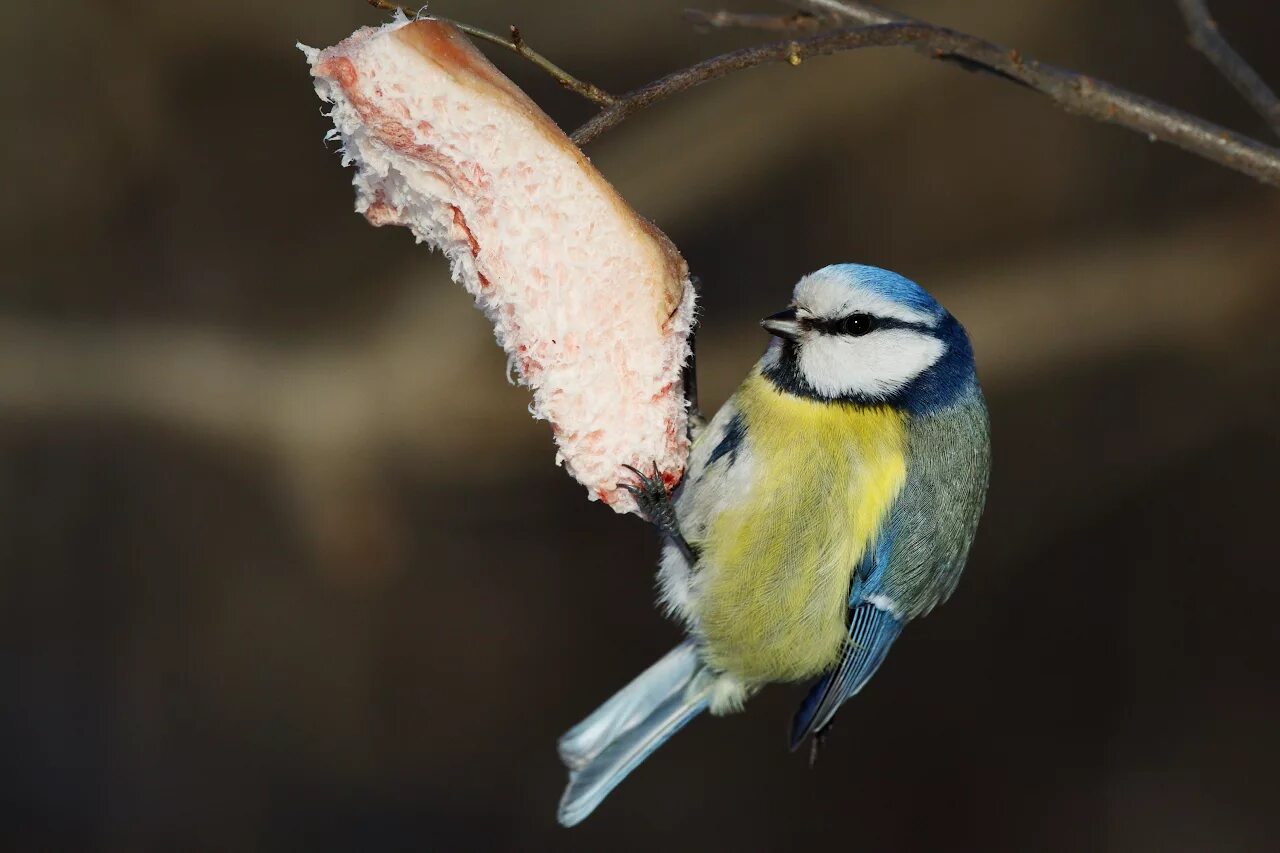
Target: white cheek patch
[828,296]
[873,365]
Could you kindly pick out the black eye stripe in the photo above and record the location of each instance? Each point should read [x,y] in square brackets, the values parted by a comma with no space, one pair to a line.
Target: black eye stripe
[840,325]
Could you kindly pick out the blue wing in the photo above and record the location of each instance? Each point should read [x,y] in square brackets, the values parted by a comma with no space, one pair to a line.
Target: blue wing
[872,631]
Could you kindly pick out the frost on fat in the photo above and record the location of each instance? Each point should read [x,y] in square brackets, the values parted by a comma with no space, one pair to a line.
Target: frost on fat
[591,302]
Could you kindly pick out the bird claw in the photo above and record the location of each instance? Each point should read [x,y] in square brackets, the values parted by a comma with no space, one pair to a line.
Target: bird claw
[654,503]
[651,496]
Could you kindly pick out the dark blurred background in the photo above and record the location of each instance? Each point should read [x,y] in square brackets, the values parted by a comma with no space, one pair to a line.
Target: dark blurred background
[285,564]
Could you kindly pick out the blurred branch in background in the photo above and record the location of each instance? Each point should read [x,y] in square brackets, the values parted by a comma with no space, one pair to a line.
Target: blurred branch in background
[791,22]
[1206,38]
[328,416]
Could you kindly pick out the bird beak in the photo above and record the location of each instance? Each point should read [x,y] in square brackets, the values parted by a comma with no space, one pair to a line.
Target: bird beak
[783,324]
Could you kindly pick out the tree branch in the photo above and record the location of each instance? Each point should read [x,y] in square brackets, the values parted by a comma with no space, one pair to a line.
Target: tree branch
[1075,92]
[1206,38]
[793,52]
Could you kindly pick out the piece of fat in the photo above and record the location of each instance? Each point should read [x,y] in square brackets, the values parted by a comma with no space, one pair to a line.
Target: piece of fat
[591,302]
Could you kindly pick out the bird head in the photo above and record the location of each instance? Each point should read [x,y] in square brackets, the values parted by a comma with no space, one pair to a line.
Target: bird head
[866,335]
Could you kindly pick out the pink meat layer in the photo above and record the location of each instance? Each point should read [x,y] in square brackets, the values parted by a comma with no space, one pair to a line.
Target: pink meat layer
[590,301]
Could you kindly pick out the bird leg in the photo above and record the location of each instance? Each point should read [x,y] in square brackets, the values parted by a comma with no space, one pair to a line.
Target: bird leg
[655,503]
[815,744]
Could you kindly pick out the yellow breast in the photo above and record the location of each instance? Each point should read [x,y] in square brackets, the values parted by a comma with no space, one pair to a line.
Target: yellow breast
[779,559]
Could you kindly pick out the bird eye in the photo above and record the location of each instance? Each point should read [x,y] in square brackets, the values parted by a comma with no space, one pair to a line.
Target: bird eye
[857,324]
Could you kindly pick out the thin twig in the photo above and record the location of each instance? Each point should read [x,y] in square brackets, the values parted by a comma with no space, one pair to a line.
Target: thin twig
[1206,38]
[793,52]
[516,45]
[867,14]
[834,12]
[790,22]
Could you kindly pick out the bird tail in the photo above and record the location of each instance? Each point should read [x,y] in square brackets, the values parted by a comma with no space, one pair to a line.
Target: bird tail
[606,746]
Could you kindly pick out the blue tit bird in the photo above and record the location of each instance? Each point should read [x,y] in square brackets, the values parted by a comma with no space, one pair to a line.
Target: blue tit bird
[831,500]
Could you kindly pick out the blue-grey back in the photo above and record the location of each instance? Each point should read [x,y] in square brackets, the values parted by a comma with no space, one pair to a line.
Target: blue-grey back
[935,519]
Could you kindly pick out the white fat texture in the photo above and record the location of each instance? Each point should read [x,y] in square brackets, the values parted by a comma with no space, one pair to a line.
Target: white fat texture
[874,365]
[828,296]
[570,281]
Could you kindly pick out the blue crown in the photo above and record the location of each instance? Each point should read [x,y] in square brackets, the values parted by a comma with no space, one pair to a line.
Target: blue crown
[885,283]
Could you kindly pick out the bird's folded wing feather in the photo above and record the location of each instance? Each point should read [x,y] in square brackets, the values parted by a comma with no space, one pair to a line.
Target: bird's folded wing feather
[872,631]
